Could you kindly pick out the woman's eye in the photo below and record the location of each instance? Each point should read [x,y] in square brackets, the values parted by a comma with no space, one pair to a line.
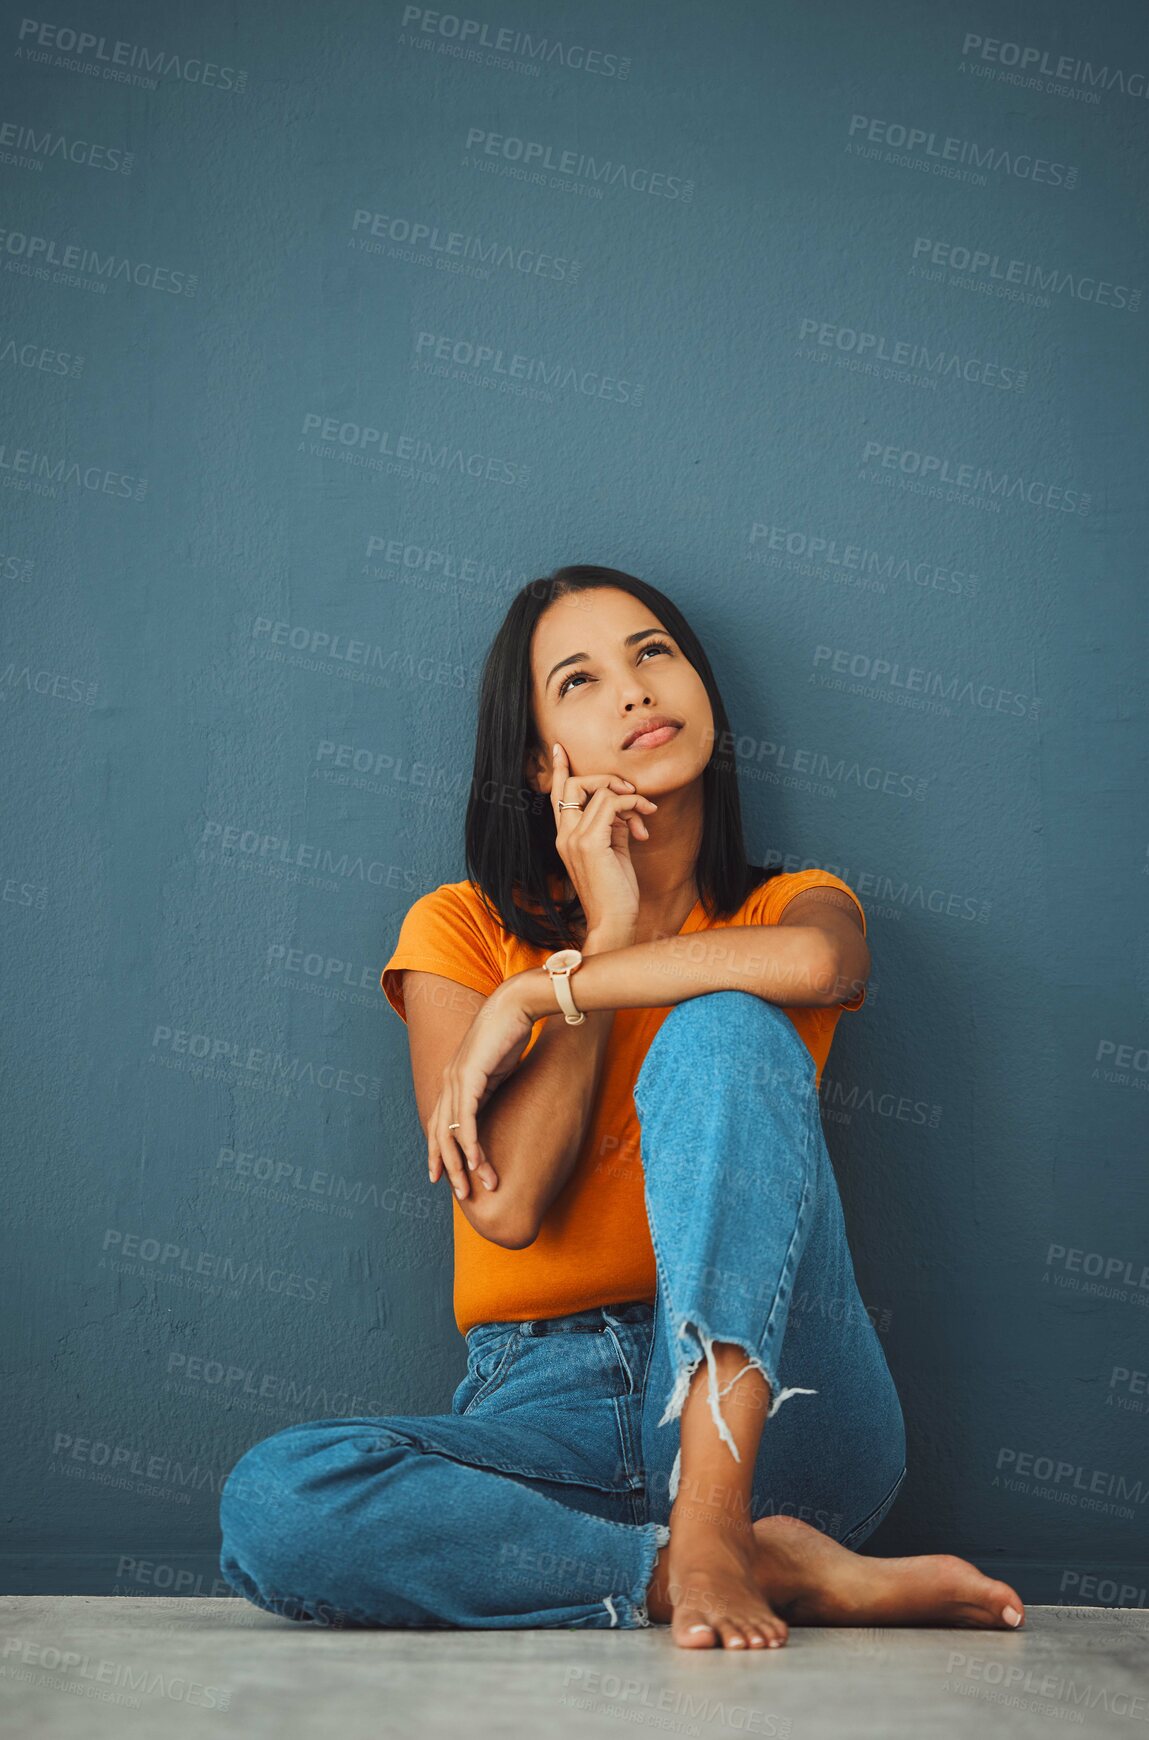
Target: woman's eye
[651,646]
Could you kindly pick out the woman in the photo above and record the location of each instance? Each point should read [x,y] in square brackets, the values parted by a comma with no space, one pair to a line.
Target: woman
[676,1409]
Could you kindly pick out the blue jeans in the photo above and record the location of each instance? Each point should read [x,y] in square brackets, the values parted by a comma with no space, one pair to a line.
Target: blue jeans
[543,1496]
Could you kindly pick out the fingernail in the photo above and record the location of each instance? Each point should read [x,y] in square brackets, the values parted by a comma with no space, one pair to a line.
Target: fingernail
[487,1185]
[554,748]
[1011,1615]
[458,1190]
[472,1164]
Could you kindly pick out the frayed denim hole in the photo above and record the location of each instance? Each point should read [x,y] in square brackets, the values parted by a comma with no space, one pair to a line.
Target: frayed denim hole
[684,1377]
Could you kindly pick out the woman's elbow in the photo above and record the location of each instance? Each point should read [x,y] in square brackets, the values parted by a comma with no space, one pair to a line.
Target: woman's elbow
[839,972]
[849,973]
[509,1227]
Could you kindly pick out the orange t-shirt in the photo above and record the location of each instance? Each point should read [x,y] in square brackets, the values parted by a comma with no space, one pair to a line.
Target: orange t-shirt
[594,1245]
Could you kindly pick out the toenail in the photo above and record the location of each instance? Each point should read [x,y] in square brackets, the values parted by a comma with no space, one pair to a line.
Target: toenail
[775,1643]
[1011,1615]
[699,1628]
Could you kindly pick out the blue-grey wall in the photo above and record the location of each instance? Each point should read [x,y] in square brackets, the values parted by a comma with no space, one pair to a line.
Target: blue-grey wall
[325,329]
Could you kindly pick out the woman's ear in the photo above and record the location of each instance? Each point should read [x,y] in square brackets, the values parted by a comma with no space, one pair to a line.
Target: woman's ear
[539,772]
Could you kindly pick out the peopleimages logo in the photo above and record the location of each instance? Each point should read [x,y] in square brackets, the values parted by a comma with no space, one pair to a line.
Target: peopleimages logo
[375,448]
[898,678]
[35,254]
[599,171]
[997,269]
[832,552]
[122,61]
[967,153]
[473,33]
[46,473]
[942,363]
[456,250]
[978,479]
[36,145]
[442,352]
[1069,1476]
[1065,69]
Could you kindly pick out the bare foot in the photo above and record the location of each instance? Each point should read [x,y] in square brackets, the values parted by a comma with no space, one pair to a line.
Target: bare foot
[707,1584]
[813,1580]
[719,1582]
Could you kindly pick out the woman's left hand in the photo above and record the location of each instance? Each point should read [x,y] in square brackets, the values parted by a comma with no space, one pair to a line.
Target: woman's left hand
[492,1049]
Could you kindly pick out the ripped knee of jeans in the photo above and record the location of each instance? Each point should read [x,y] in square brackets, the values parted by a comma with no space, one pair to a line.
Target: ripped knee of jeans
[688,1365]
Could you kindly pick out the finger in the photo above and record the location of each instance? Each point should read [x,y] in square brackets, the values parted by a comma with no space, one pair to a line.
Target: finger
[468,1140]
[434,1159]
[605,793]
[583,783]
[616,806]
[453,1161]
[576,793]
[615,813]
[560,770]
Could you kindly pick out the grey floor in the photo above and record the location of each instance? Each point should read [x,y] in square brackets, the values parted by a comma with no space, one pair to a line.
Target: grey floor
[98,1666]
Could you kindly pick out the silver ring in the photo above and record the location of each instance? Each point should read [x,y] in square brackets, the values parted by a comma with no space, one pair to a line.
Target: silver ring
[454,1126]
[565,805]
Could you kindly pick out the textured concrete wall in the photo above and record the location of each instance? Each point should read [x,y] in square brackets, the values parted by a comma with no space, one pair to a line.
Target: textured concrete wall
[326,328]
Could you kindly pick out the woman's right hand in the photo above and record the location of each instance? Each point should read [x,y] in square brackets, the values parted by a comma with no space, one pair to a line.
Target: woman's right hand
[594,842]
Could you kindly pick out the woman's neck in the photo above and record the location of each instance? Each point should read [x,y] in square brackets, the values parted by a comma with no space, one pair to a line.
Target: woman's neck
[664,916]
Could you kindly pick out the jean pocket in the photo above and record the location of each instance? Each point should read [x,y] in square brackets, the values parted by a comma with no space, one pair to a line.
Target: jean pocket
[491,1348]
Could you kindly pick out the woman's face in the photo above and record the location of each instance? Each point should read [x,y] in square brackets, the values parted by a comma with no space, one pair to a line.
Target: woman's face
[592,701]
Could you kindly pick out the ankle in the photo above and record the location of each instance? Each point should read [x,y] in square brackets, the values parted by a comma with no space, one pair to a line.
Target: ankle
[659,1608]
[711,1503]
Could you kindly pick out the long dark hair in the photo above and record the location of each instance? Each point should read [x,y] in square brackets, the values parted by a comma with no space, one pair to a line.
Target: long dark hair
[510,829]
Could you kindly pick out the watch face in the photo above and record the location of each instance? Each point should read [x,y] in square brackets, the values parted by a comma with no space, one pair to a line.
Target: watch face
[564,958]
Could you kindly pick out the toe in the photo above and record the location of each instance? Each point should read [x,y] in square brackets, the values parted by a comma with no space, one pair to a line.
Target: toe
[733,1637]
[764,1628]
[692,1630]
[998,1604]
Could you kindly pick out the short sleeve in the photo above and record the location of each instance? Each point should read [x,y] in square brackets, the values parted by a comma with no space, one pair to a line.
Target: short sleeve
[772,899]
[443,933]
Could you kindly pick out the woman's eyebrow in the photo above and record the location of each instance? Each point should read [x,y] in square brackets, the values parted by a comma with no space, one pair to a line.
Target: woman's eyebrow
[575,657]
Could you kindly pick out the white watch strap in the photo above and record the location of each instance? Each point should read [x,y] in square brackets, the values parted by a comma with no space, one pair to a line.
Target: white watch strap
[560,979]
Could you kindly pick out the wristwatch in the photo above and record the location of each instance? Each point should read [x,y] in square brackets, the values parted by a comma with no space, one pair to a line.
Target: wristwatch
[560,966]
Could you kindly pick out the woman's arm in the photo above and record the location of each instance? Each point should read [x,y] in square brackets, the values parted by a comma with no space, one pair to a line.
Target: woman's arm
[533,1126]
[823,960]
[820,962]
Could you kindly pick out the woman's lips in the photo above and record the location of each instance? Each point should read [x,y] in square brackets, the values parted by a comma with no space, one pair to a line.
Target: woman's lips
[652,739]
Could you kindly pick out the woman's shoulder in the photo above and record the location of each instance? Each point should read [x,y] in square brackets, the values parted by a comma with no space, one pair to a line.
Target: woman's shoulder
[464,909]
[454,898]
[769,899]
[466,901]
